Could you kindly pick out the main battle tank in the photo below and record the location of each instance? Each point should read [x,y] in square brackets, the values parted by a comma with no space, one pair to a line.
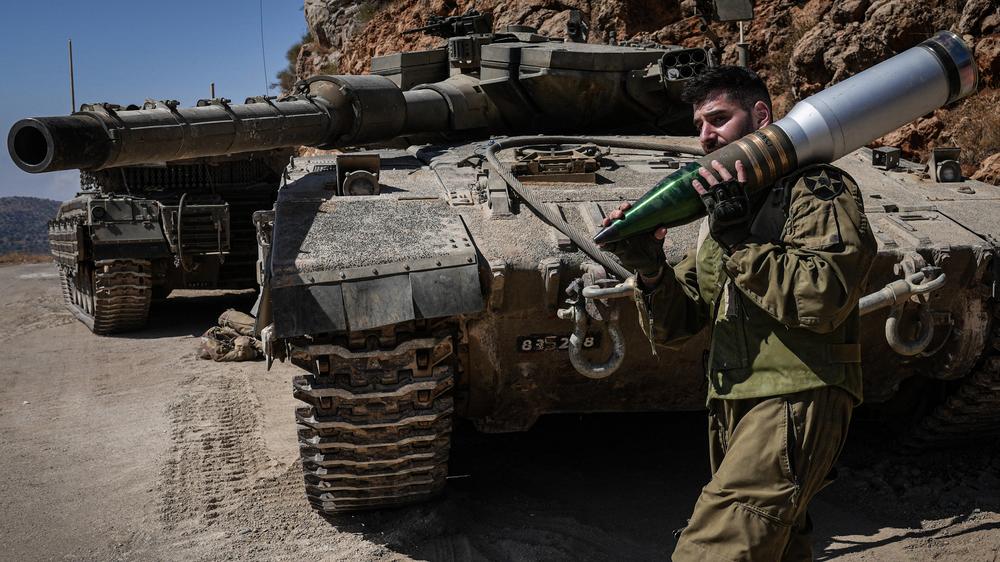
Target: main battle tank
[444,273]
[134,233]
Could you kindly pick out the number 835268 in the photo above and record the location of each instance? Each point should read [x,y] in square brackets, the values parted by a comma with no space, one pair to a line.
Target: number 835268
[552,342]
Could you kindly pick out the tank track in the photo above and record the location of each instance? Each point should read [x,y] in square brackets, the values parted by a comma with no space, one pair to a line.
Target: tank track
[972,410]
[109,296]
[377,429]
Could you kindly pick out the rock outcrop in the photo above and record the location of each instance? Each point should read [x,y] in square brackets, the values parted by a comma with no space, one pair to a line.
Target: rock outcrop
[798,47]
[989,170]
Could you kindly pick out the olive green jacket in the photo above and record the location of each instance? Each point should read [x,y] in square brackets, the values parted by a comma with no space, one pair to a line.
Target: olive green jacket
[784,305]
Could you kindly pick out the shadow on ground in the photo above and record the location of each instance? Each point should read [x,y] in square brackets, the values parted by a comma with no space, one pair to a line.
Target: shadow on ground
[614,487]
[930,494]
[190,313]
[595,487]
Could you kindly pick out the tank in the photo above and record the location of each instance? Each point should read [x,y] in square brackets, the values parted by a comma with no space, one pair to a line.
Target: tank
[133,234]
[432,270]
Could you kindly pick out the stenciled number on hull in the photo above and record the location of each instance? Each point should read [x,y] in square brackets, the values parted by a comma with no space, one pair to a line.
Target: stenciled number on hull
[553,342]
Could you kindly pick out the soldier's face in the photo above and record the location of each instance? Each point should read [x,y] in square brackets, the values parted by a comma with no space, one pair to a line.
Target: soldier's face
[721,120]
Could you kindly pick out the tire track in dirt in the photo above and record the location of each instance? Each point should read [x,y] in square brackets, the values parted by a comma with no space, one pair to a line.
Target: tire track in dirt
[48,311]
[224,497]
[222,487]
[216,446]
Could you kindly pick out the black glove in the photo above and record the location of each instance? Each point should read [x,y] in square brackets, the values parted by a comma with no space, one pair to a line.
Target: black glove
[642,253]
[729,213]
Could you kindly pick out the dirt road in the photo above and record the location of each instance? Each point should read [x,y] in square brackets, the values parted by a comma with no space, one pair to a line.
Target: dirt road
[130,448]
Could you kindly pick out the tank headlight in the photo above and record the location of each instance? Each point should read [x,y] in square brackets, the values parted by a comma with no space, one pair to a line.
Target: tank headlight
[944,166]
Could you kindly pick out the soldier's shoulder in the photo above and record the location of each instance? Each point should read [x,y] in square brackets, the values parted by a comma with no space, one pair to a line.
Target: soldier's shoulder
[823,181]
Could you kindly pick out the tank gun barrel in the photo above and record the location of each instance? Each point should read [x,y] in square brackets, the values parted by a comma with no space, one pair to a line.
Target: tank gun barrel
[103,136]
[329,111]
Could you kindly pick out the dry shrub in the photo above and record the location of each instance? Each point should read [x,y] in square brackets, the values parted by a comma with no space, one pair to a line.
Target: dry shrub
[14,258]
[781,83]
[976,126]
[366,12]
[286,76]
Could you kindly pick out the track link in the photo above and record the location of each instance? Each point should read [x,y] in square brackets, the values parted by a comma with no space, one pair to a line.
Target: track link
[376,430]
[109,296]
[972,411]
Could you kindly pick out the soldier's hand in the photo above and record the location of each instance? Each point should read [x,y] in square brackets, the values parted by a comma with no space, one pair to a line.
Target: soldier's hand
[619,213]
[727,204]
[642,253]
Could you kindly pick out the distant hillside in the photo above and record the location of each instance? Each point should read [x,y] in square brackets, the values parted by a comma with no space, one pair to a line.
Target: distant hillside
[23,225]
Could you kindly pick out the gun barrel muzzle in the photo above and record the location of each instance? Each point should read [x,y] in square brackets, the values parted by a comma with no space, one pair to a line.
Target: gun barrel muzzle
[43,144]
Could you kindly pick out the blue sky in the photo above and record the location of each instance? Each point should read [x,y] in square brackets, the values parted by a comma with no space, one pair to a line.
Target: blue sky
[125,52]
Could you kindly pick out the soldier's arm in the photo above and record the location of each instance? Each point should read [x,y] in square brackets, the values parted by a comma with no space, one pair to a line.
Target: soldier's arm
[669,304]
[673,310]
[812,278]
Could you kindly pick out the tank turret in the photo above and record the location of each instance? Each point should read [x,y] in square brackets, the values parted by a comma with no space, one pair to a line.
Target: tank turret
[509,81]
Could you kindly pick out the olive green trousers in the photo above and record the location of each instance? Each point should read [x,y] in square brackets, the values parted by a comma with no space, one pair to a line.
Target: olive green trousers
[769,457]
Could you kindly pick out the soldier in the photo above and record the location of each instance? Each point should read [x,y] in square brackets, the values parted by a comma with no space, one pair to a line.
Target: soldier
[777,277]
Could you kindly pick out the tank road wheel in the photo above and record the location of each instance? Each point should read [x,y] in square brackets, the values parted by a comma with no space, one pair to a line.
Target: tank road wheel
[377,428]
[972,410]
[109,296]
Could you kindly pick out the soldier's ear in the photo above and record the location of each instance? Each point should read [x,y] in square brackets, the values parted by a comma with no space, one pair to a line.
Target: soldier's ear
[761,114]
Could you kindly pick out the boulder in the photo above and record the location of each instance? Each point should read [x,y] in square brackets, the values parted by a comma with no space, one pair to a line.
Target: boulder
[989,170]
[977,15]
[988,60]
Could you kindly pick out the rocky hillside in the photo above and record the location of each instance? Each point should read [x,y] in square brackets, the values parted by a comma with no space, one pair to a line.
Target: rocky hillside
[23,227]
[798,47]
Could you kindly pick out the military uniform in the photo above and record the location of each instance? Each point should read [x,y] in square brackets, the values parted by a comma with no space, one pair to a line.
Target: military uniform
[783,362]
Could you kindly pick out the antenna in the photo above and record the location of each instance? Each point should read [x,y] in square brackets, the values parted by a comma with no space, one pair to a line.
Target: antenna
[72,85]
[213,90]
[263,59]
[742,48]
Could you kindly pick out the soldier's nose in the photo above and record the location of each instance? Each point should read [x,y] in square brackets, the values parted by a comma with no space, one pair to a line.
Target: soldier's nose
[707,137]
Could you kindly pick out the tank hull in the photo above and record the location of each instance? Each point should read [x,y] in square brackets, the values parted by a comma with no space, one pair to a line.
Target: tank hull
[446,264]
[132,235]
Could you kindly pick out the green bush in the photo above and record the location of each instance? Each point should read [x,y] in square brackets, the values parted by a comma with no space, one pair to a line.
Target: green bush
[366,12]
[286,76]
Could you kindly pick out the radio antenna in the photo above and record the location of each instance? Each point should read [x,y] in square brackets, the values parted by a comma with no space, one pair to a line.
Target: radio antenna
[72,85]
[263,59]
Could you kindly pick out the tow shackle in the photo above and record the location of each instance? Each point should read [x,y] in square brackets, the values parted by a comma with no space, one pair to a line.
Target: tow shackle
[895,295]
[582,322]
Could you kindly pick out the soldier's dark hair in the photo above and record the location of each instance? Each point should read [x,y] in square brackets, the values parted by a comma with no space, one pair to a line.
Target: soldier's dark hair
[741,84]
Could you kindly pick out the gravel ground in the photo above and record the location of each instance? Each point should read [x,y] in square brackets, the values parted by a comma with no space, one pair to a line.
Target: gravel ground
[129,448]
